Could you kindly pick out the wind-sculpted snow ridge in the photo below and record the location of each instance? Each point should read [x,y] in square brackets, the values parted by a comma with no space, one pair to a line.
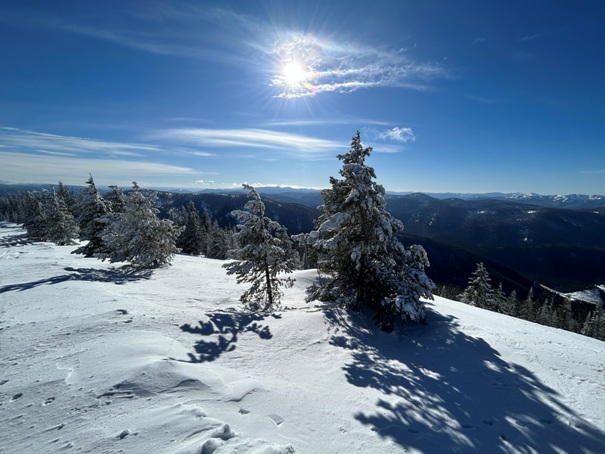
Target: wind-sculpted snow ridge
[98,359]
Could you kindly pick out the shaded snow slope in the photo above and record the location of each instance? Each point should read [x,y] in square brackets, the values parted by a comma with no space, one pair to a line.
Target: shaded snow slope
[97,359]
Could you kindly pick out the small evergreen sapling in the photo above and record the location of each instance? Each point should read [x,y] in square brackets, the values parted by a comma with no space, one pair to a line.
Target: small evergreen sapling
[261,258]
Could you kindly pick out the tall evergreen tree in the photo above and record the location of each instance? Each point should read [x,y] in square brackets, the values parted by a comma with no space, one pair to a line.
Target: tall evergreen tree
[357,248]
[93,210]
[499,301]
[68,197]
[62,228]
[261,258]
[192,239]
[594,326]
[527,310]
[479,291]
[218,242]
[138,236]
[511,304]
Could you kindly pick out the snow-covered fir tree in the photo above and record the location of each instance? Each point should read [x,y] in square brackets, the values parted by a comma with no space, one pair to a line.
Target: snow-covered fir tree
[93,210]
[138,235]
[527,309]
[479,291]
[261,258]
[50,220]
[115,198]
[511,304]
[68,197]
[358,251]
[499,301]
[193,237]
[594,325]
[219,241]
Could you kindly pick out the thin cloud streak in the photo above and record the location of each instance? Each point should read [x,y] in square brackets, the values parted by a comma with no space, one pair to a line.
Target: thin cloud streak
[248,138]
[20,139]
[593,171]
[20,167]
[328,121]
[179,37]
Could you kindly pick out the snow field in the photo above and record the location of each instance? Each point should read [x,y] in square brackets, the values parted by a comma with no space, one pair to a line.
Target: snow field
[95,359]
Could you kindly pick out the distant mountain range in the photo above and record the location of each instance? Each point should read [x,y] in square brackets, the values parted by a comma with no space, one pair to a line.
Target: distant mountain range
[554,240]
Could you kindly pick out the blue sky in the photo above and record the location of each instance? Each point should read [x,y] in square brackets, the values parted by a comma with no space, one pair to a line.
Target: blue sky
[454,96]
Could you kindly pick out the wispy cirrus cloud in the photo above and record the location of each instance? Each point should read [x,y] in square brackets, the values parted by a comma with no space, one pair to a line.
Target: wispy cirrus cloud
[21,139]
[248,138]
[323,65]
[328,121]
[20,168]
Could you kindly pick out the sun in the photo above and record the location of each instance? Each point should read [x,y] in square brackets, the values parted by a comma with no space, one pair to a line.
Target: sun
[293,73]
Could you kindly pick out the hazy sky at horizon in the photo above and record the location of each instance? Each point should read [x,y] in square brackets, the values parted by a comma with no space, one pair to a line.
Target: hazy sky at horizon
[467,96]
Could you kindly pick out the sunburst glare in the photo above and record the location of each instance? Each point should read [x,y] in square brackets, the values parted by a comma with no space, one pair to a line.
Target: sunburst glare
[307,65]
[293,73]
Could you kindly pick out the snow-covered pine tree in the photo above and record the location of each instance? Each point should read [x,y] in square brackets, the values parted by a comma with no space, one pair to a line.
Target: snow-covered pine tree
[92,210]
[68,197]
[594,326]
[192,239]
[35,221]
[511,304]
[218,242]
[261,257]
[527,310]
[49,219]
[138,236]
[357,249]
[62,228]
[116,200]
[499,301]
[479,291]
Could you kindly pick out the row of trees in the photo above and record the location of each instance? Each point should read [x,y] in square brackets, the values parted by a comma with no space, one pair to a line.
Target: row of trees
[118,227]
[354,245]
[480,293]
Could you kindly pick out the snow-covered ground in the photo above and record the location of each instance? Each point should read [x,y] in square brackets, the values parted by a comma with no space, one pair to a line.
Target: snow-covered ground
[96,359]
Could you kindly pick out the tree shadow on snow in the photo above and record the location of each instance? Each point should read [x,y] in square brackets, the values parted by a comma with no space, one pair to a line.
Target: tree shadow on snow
[444,391]
[118,276]
[19,239]
[220,333]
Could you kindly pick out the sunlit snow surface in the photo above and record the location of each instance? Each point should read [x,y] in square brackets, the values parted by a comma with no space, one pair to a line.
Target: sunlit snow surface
[96,359]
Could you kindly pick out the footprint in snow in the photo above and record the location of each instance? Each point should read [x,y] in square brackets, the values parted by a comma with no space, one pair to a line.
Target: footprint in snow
[16,396]
[276,419]
[48,401]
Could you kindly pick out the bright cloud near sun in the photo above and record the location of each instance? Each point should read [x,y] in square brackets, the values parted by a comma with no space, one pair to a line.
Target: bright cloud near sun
[307,65]
[398,134]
